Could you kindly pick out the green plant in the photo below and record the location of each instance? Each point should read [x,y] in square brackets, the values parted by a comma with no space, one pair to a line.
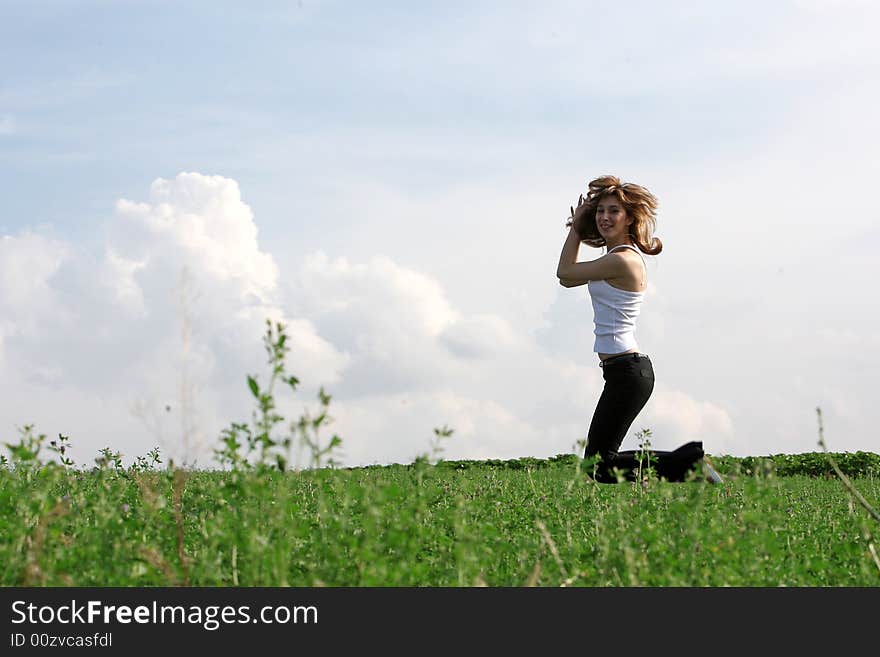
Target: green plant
[107,458]
[646,471]
[261,447]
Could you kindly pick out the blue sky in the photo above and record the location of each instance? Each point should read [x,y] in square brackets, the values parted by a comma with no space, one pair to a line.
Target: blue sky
[122,91]
[434,150]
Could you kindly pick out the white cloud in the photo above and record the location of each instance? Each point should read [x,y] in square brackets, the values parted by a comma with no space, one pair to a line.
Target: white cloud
[398,428]
[398,355]
[112,328]
[479,336]
[204,217]
[676,418]
[328,287]
[398,358]
[27,264]
[100,341]
[119,276]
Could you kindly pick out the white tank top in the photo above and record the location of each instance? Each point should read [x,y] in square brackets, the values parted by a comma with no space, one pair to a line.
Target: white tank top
[614,313]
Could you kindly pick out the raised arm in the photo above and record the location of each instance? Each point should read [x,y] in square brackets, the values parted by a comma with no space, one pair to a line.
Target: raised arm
[572,273]
[571,282]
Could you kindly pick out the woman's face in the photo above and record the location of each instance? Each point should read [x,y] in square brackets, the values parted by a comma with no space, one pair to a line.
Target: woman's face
[611,219]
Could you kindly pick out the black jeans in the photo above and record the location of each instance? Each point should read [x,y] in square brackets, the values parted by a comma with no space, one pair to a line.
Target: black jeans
[629,382]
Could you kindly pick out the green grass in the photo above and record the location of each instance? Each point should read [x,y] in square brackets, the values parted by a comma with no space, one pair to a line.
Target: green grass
[782,520]
[429,525]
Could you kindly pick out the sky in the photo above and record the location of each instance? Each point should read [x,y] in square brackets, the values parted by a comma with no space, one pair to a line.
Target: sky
[391,180]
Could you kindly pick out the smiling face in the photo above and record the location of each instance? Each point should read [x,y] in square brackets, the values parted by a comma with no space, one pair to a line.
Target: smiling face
[611,219]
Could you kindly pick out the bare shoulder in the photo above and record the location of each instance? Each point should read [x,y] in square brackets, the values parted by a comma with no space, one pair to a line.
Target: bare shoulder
[634,272]
[625,260]
[618,263]
[631,256]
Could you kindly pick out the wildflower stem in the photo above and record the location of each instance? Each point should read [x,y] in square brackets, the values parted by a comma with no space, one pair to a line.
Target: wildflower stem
[843,477]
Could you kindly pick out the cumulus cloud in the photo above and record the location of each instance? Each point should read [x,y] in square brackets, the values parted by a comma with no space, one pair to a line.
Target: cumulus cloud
[479,336]
[112,329]
[675,417]
[204,218]
[398,428]
[157,336]
[168,319]
[384,317]
[118,275]
[27,263]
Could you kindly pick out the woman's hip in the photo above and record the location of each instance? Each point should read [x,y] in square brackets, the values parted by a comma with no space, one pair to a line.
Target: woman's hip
[631,365]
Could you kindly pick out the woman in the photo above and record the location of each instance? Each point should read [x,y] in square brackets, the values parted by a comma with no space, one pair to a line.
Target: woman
[622,218]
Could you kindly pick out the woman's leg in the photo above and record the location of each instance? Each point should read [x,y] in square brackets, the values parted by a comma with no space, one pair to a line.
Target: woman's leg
[629,382]
[676,465]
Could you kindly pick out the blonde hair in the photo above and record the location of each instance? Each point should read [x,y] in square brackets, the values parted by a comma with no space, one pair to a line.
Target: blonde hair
[640,206]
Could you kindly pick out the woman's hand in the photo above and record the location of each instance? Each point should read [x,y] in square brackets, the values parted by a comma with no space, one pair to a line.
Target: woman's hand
[577,216]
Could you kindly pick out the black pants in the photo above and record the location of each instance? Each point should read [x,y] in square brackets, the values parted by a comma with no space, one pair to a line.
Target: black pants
[629,382]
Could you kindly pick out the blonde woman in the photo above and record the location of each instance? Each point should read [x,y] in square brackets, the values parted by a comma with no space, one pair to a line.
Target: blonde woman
[622,218]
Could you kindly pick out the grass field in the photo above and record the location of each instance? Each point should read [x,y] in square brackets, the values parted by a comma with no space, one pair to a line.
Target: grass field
[429,525]
[786,520]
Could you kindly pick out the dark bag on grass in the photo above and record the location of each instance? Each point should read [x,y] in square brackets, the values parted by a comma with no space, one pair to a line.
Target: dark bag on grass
[672,466]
